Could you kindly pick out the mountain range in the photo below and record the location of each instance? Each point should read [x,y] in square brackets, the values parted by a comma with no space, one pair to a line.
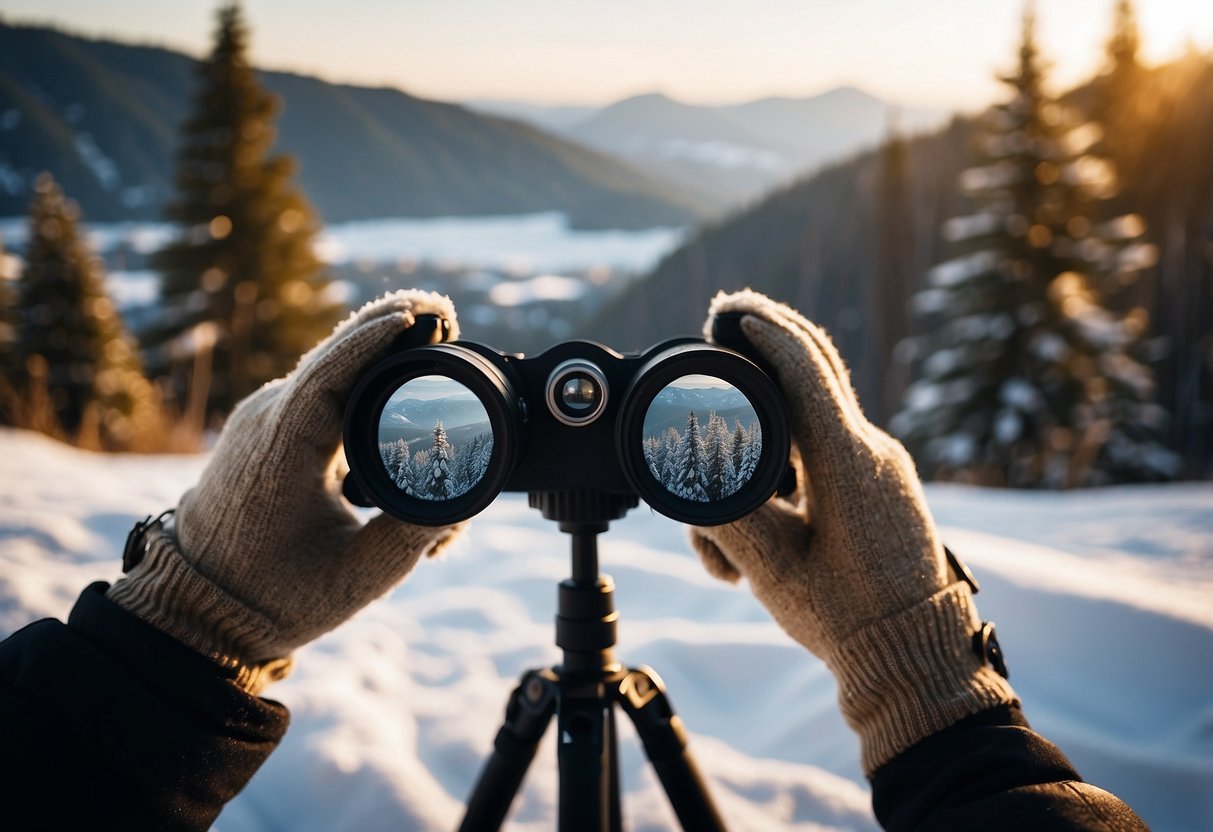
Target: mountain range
[736,151]
[103,117]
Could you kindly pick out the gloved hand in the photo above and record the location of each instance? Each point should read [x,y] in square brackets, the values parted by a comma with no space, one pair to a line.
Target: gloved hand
[263,555]
[852,567]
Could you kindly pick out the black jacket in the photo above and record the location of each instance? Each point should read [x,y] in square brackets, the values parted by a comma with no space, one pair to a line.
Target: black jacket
[107,723]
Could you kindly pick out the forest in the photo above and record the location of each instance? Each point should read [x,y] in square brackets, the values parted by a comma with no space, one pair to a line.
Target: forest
[443,471]
[704,465]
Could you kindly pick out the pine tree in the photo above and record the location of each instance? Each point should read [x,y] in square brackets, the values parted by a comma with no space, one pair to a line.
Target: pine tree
[670,440]
[653,455]
[739,442]
[244,262]
[690,481]
[402,471]
[484,456]
[751,454]
[71,338]
[889,292]
[420,473]
[439,484]
[1117,104]
[1026,379]
[720,474]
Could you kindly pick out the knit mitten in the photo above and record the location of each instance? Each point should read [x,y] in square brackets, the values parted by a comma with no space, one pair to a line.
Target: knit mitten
[851,566]
[263,555]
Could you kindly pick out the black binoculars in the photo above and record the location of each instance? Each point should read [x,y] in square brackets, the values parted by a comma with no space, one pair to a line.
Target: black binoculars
[436,430]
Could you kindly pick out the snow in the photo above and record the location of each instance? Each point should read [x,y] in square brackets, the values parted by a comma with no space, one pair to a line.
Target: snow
[541,242]
[1101,599]
[544,287]
[974,225]
[956,271]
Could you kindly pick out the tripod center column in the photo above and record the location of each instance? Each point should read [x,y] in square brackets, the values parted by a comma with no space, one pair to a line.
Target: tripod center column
[586,626]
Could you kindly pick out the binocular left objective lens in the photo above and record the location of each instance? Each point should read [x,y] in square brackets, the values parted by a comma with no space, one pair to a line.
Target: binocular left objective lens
[446,423]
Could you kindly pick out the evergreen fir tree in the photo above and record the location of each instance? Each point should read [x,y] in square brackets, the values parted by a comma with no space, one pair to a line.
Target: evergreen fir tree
[439,484]
[653,455]
[402,472]
[484,456]
[465,464]
[244,260]
[889,292]
[690,481]
[1026,379]
[751,454]
[420,474]
[671,440]
[720,474]
[71,338]
[739,442]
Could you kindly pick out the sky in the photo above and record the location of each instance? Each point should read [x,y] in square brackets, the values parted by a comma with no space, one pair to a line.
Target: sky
[431,387]
[937,53]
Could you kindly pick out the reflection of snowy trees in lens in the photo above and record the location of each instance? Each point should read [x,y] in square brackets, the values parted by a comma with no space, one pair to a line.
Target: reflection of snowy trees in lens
[441,471]
[704,464]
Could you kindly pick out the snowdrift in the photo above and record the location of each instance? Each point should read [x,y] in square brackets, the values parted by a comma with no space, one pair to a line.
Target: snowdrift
[1102,601]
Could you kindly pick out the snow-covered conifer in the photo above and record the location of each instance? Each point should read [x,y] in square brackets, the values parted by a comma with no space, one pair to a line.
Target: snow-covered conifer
[750,455]
[1024,377]
[720,474]
[653,455]
[690,480]
[420,473]
[402,473]
[670,441]
[738,448]
[438,484]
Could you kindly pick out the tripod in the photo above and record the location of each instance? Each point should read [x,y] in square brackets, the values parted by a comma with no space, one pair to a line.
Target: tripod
[582,693]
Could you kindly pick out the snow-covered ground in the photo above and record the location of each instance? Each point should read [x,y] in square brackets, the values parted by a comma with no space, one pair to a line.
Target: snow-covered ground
[1104,602]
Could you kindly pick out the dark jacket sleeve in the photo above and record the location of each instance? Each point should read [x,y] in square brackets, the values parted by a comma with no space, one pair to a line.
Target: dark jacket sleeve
[108,723]
[992,772]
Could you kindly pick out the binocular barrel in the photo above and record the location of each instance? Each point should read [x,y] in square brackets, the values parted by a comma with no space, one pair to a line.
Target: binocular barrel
[435,431]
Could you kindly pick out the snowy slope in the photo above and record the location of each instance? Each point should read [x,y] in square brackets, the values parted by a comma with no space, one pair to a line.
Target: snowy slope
[1102,601]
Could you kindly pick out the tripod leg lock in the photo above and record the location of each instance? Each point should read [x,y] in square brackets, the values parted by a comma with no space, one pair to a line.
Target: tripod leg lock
[641,693]
[527,715]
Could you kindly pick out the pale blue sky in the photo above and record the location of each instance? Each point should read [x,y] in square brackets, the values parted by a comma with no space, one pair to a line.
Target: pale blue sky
[940,53]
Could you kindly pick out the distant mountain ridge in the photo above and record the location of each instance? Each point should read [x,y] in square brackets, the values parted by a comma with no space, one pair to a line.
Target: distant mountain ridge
[734,151]
[103,117]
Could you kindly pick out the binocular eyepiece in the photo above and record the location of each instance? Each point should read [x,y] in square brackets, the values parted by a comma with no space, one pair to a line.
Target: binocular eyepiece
[436,430]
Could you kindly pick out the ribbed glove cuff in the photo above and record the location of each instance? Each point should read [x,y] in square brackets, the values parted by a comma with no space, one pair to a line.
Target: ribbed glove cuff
[910,675]
[168,593]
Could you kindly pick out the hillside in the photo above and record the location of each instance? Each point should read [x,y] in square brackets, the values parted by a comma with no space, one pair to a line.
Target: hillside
[103,117]
[737,152]
[850,245]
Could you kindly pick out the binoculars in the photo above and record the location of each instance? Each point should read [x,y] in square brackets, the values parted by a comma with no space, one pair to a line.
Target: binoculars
[436,430]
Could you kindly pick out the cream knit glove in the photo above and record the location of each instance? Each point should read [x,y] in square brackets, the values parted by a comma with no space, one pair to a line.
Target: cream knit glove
[851,567]
[263,554]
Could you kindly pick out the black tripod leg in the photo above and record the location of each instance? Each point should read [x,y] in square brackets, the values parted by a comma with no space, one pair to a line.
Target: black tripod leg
[526,719]
[641,693]
[584,750]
